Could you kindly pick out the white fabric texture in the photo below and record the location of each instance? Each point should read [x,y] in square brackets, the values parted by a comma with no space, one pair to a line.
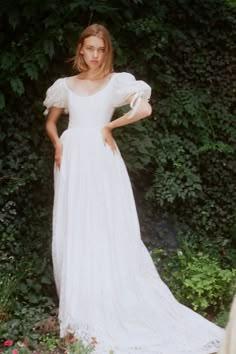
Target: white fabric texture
[56,96]
[228,345]
[125,85]
[107,284]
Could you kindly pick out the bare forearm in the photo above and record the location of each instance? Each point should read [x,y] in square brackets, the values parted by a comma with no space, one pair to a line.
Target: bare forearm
[144,111]
[51,130]
[51,127]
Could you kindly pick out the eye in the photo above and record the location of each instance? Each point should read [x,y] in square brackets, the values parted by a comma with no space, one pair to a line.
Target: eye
[102,50]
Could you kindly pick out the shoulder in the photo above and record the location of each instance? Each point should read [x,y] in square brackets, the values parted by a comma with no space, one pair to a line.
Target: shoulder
[126,81]
[70,78]
[126,85]
[59,81]
[58,84]
[123,77]
[56,95]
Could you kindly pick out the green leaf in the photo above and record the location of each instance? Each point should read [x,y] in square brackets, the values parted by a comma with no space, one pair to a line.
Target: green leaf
[31,70]
[48,46]
[17,86]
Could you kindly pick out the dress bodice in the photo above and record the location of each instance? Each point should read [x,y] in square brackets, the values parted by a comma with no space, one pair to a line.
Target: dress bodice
[95,110]
[90,111]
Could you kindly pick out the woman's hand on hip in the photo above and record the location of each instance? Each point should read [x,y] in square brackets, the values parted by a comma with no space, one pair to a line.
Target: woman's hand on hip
[108,138]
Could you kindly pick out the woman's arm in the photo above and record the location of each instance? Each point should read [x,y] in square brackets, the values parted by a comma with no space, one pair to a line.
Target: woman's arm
[144,110]
[51,129]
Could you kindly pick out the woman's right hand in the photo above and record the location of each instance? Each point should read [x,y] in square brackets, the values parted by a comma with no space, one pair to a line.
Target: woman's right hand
[108,138]
[58,153]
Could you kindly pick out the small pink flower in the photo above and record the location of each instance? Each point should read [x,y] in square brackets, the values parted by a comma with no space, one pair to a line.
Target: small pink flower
[8,343]
[94,341]
[72,340]
[25,344]
[15,351]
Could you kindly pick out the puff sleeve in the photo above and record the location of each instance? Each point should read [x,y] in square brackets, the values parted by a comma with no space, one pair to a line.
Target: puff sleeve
[125,86]
[56,96]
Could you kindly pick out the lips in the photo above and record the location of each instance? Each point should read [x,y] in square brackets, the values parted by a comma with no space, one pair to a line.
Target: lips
[94,61]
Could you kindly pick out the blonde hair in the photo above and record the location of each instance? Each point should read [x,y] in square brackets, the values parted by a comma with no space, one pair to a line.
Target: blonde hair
[101,32]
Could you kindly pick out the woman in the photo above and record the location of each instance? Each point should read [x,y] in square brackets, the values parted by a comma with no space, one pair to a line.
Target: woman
[107,284]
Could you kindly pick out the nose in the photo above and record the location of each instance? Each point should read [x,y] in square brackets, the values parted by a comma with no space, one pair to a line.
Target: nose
[95,53]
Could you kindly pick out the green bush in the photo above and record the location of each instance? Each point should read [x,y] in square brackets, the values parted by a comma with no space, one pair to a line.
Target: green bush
[24,301]
[196,279]
[205,285]
[17,348]
[49,341]
[7,286]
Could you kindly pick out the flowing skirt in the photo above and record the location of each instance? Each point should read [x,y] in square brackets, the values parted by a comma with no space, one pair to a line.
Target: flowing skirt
[107,284]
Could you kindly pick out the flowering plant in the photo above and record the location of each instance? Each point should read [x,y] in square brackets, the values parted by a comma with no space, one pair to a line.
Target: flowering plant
[76,346]
[17,348]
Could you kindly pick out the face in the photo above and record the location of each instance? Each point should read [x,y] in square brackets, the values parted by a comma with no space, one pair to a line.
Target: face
[93,52]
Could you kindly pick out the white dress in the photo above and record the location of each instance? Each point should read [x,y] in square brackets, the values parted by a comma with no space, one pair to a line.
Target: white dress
[107,284]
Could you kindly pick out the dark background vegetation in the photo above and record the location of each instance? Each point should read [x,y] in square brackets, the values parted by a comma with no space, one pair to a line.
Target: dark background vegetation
[181,160]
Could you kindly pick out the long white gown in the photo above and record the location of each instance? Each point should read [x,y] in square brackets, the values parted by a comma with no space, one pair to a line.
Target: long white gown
[107,284]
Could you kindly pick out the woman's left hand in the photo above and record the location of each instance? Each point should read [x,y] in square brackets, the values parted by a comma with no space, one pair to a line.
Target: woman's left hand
[108,138]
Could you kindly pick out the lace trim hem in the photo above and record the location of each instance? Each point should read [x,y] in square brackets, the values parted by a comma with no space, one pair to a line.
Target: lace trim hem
[86,333]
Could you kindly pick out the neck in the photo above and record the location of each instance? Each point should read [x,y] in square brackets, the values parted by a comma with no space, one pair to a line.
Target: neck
[90,75]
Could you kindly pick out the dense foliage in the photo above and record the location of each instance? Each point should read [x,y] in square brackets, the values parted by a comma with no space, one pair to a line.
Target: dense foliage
[186,51]
[197,279]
